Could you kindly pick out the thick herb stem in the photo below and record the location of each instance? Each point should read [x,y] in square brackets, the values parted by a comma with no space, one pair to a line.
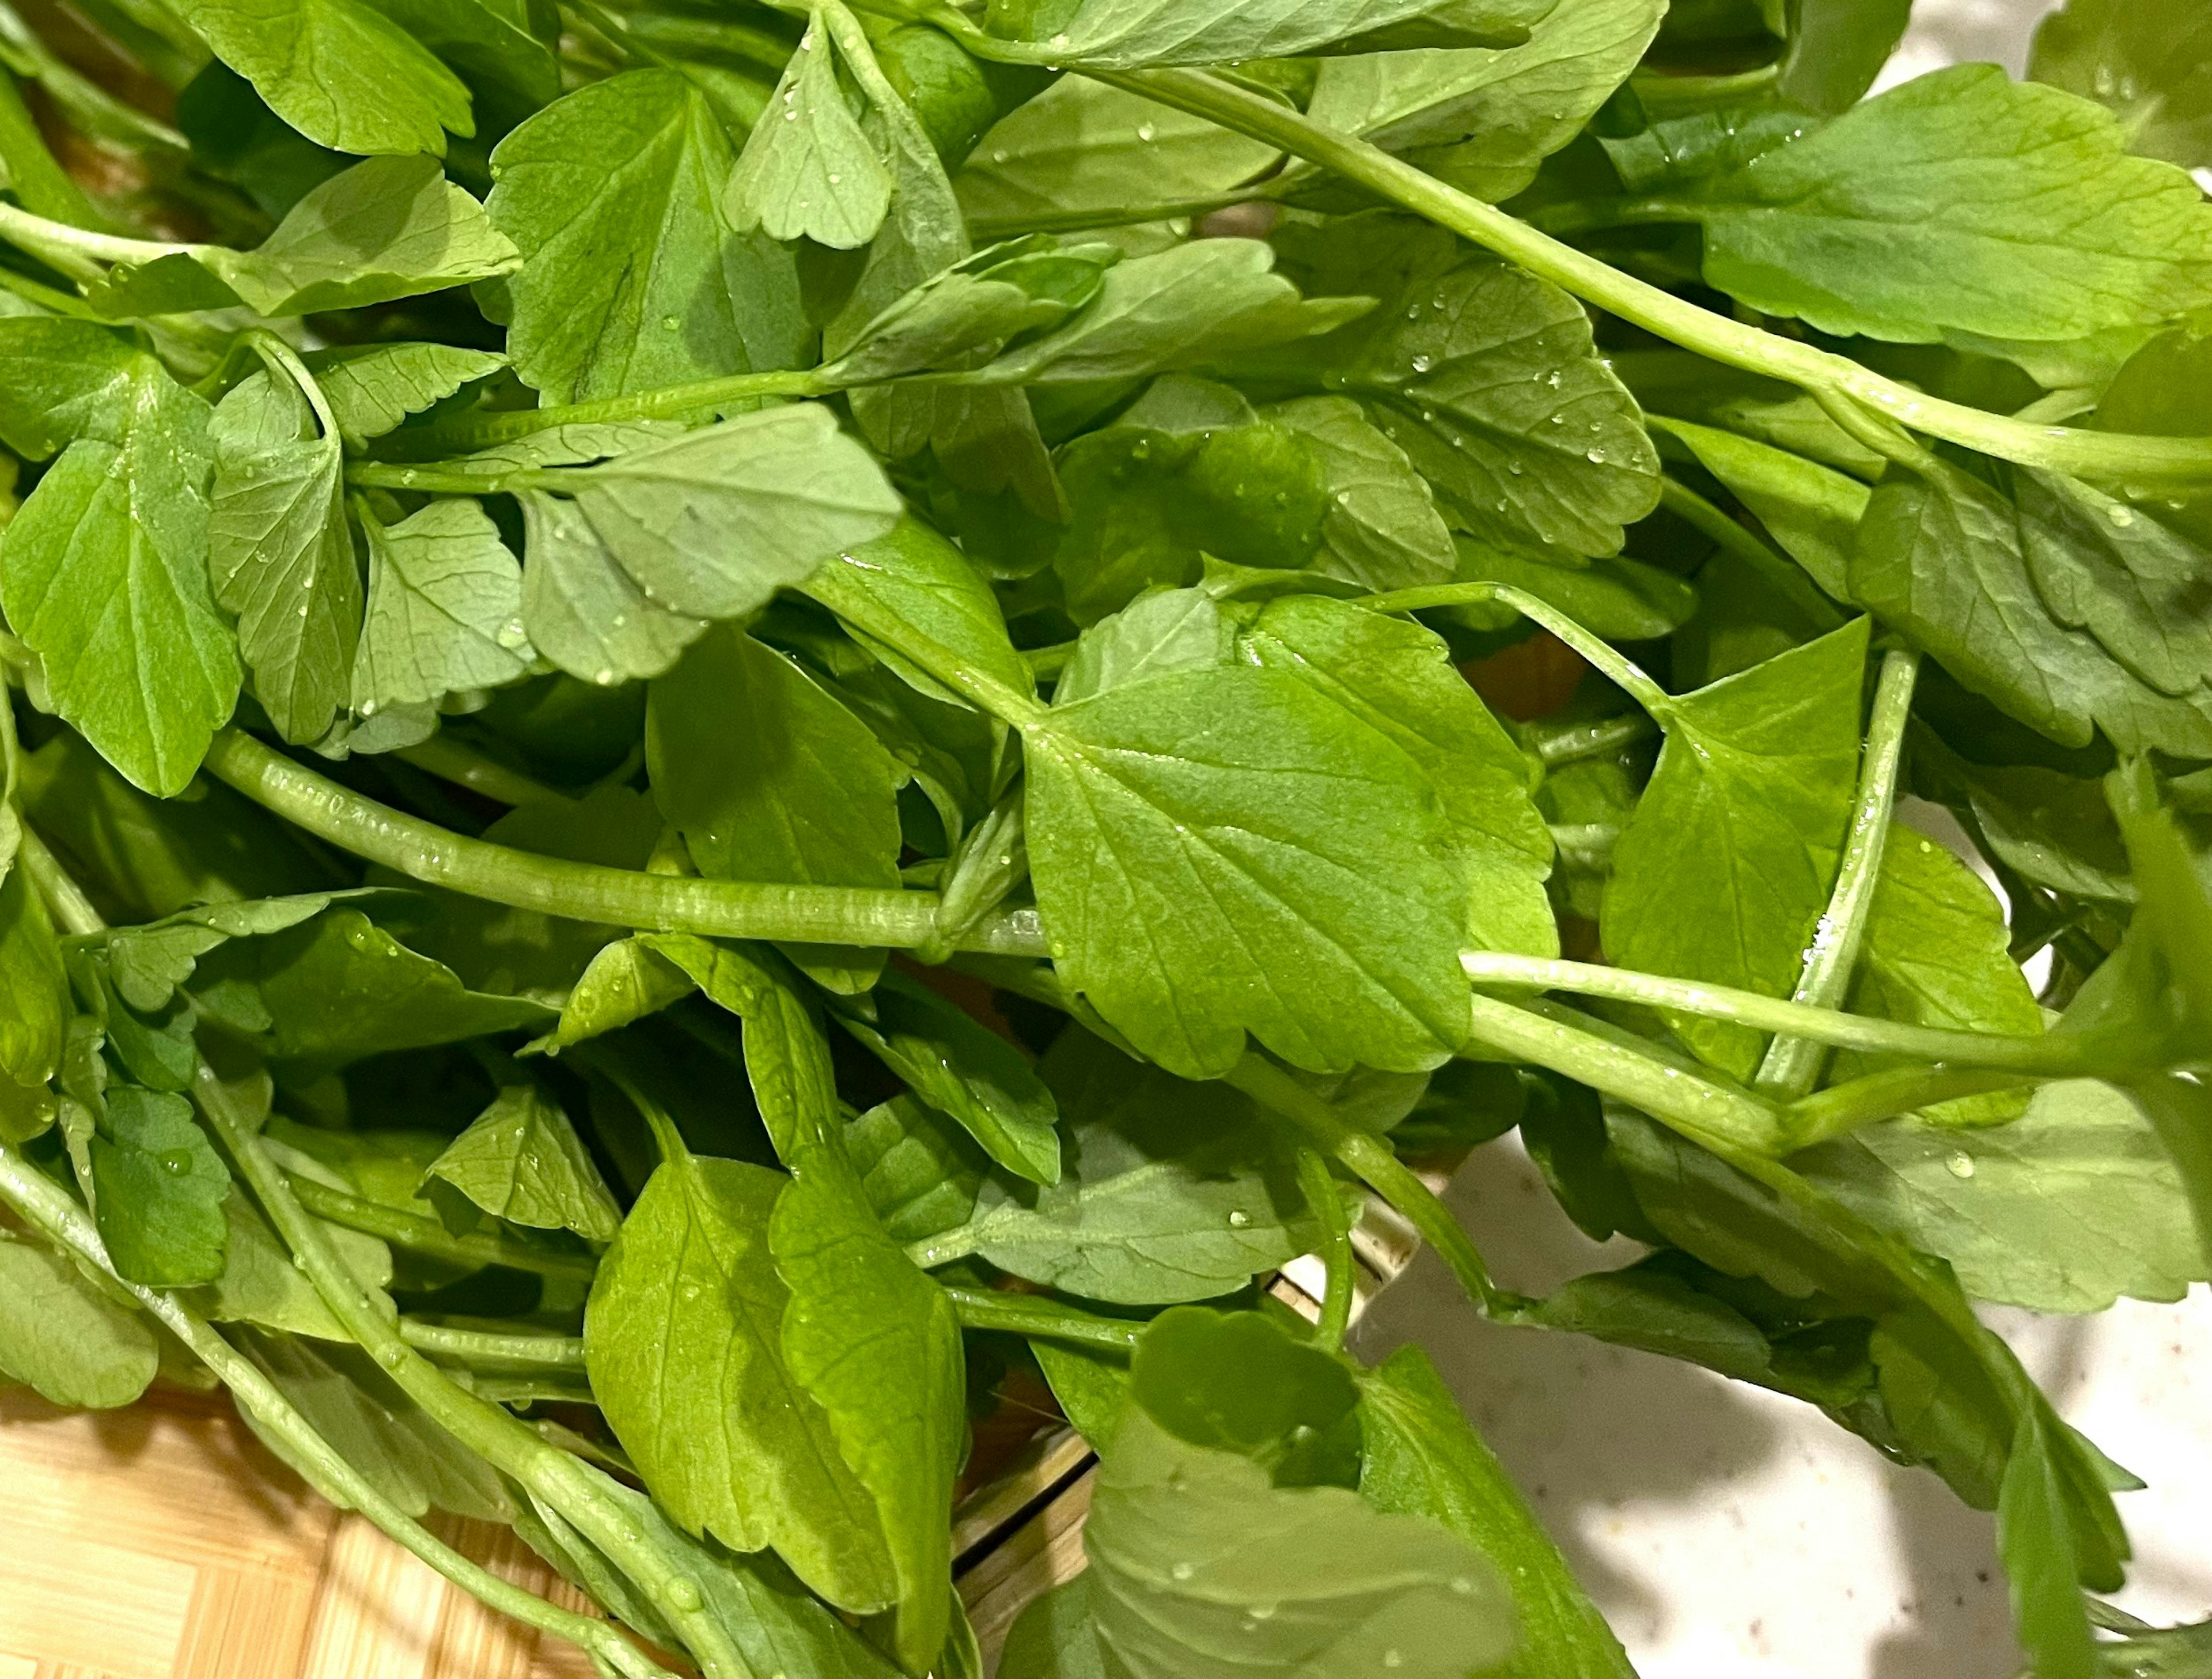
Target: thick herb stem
[66,900]
[1558,744]
[1902,1089]
[1319,1185]
[2107,456]
[1369,1159]
[74,251]
[1033,1315]
[429,1237]
[1793,1064]
[1624,673]
[670,402]
[44,1206]
[587,892]
[2055,1056]
[486,1349]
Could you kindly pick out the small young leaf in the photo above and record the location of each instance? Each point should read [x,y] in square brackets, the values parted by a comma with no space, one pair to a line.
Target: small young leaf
[807,171]
[522,1161]
[445,604]
[581,609]
[159,1190]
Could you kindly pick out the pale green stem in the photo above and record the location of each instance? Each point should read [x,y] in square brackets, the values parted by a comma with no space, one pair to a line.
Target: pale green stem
[492,1350]
[462,764]
[669,402]
[65,899]
[1623,672]
[1793,1064]
[1319,1187]
[989,229]
[280,358]
[430,1238]
[587,892]
[1034,1314]
[1559,744]
[43,1204]
[1902,1089]
[75,252]
[2053,1055]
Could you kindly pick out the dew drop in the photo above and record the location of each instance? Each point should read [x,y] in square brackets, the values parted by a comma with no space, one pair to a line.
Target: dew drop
[1394,1658]
[683,1597]
[1183,1571]
[670,323]
[1238,1219]
[1596,457]
[1145,131]
[176,1163]
[1423,363]
[1961,1165]
[2123,517]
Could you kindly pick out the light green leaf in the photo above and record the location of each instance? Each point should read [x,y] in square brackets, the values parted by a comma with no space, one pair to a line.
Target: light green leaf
[444,608]
[1619,598]
[1726,865]
[522,1161]
[1289,864]
[1054,1637]
[1382,530]
[281,555]
[1081,145]
[683,1339]
[338,71]
[1485,375]
[1128,34]
[625,981]
[103,571]
[915,588]
[2065,1209]
[1813,511]
[918,1170]
[148,962]
[581,610]
[965,1071]
[807,172]
[2149,61]
[372,388]
[158,1190]
[715,521]
[2036,1543]
[1962,202]
[1154,635]
[63,379]
[964,314]
[35,1009]
[260,1284]
[632,278]
[1397,678]
[1485,119]
[60,1335]
[876,1343]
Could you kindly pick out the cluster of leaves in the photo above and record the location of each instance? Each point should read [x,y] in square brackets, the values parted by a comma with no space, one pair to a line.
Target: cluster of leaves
[731,726]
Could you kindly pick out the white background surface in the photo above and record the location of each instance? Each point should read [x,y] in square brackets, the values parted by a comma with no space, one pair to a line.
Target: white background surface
[1728,1532]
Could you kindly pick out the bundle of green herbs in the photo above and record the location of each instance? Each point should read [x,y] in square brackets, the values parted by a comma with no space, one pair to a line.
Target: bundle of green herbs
[731,724]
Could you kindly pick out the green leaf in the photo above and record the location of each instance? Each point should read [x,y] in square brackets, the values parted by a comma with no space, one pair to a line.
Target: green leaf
[580,610]
[507,51]
[1836,49]
[1397,677]
[876,1343]
[522,1161]
[1726,865]
[712,522]
[1054,1637]
[631,277]
[1200,1567]
[1082,146]
[1619,598]
[2149,62]
[965,1071]
[2065,1209]
[445,609]
[1936,953]
[34,1008]
[389,228]
[282,553]
[158,1190]
[682,1336]
[913,589]
[2036,1545]
[1812,510]
[61,1336]
[1962,567]
[1154,635]
[1961,203]
[372,388]
[338,71]
[918,1170]
[1483,119]
[1485,376]
[1289,863]
[1420,1458]
[1382,530]
[260,1285]
[103,571]
[148,963]
[1129,34]
[966,313]
[807,171]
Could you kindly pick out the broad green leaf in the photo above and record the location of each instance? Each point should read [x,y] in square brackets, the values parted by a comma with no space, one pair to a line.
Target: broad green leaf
[1936,953]
[61,1336]
[684,1338]
[1382,530]
[1171,1191]
[103,571]
[1961,203]
[507,51]
[148,963]
[1420,1458]
[965,313]
[1613,596]
[281,552]
[338,71]
[260,1284]
[445,609]
[372,388]
[2149,61]
[2065,1209]
[1485,119]
[34,1008]
[807,172]
[522,1161]
[918,1170]
[1081,145]
[1960,566]
[714,522]
[388,228]
[632,278]
[158,1190]
[1726,865]
[1485,376]
[1129,34]
[965,1071]
[1397,677]
[1812,510]
[581,609]
[1289,864]
[875,1342]
[2055,830]
[1154,635]
[1200,1567]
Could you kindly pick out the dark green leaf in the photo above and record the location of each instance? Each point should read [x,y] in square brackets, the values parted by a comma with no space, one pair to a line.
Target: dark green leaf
[159,1190]
[2149,61]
